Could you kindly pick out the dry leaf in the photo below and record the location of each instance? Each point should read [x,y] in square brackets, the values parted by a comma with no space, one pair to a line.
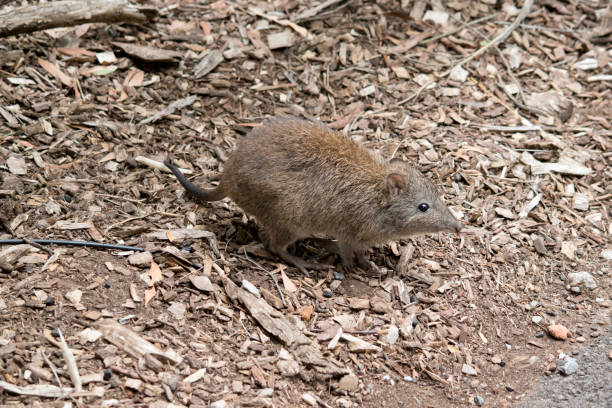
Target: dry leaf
[306,312]
[134,78]
[56,72]
[149,294]
[288,283]
[155,273]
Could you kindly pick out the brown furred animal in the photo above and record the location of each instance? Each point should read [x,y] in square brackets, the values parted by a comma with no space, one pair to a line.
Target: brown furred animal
[300,179]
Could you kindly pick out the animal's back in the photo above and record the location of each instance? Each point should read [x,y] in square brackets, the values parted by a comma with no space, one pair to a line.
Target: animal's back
[302,175]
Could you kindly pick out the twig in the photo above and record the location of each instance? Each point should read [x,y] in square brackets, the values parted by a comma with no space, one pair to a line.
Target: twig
[501,37]
[71,363]
[285,23]
[131,200]
[461,27]
[37,245]
[52,367]
[115,225]
[518,103]
[416,94]
[490,94]
[269,273]
[543,28]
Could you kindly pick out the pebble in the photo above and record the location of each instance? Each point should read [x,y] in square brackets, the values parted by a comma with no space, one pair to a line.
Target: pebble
[551,313]
[327,293]
[536,319]
[468,370]
[568,366]
[338,275]
[344,403]
[408,378]
[478,400]
[392,335]
[218,404]
[579,278]
[509,388]
[532,305]
[580,339]
[141,259]
[538,243]
[388,378]
[306,312]
[558,331]
[288,368]
[349,383]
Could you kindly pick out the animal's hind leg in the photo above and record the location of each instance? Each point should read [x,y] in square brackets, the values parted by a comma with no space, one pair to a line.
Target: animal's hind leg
[277,241]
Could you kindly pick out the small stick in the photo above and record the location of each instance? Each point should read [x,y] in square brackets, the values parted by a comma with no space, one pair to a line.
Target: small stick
[37,245]
[490,94]
[50,364]
[461,27]
[416,94]
[131,200]
[115,225]
[71,363]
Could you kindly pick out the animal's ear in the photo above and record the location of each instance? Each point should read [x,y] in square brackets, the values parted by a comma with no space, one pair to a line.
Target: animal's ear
[395,160]
[396,184]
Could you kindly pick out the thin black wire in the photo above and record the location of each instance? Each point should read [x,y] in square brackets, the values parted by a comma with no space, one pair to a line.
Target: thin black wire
[67,242]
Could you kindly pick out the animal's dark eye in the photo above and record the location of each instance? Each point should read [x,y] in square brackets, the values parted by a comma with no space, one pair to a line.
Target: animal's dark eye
[423,207]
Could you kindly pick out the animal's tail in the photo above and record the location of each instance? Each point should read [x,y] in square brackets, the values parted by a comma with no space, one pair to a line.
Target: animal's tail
[196,192]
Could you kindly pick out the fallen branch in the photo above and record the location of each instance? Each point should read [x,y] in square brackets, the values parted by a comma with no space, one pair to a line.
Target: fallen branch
[70,13]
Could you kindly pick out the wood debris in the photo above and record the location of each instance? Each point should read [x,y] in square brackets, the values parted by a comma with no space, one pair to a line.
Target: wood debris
[505,108]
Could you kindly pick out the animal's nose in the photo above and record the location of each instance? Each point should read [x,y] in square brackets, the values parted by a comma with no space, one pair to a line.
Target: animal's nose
[458,227]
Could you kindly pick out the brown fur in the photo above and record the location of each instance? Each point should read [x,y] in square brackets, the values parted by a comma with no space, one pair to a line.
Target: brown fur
[300,179]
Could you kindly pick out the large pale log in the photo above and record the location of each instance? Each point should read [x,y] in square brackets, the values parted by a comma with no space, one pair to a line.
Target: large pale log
[70,13]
